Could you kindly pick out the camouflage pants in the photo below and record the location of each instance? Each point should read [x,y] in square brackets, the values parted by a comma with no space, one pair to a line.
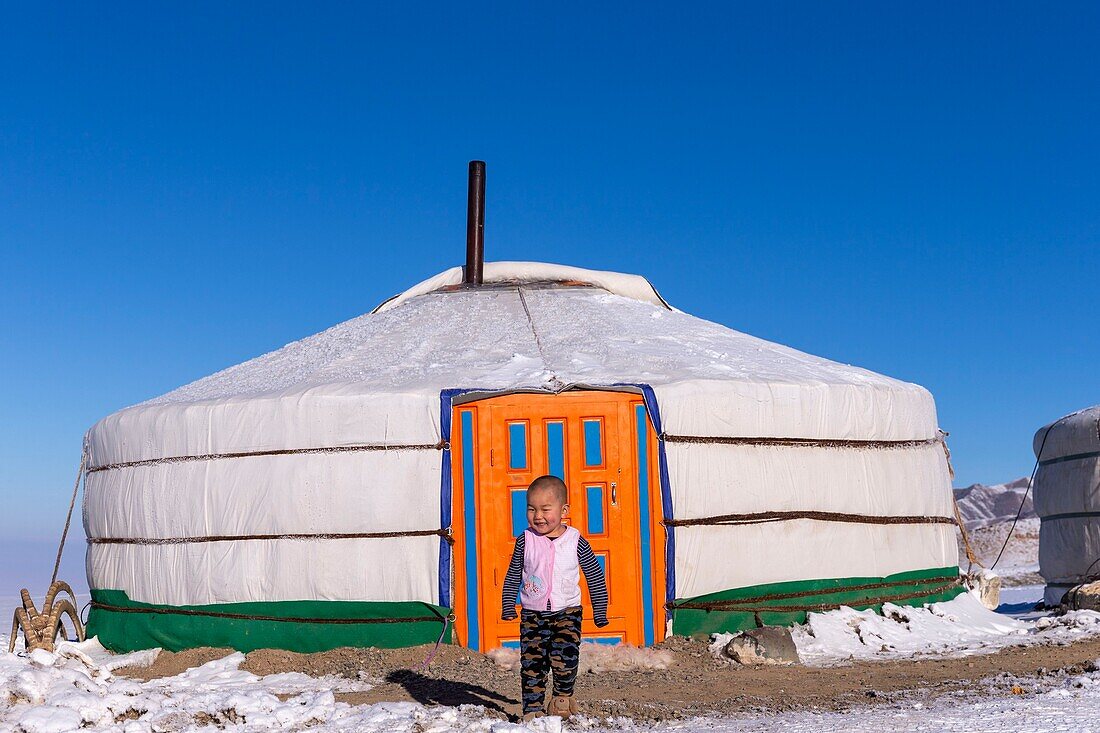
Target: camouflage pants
[548,641]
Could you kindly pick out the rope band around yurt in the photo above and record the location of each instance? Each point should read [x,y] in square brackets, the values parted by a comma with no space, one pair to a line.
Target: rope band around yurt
[765,517]
[441,445]
[799,442]
[1074,457]
[444,533]
[746,605]
[949,579]
[437,618]
[1068,515]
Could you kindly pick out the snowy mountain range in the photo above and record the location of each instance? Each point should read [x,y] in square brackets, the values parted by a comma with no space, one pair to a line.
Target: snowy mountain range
[984,506]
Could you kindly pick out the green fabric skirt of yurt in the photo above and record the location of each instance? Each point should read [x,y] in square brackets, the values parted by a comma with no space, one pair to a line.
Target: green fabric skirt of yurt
[310,626]
[785,604]
[123,625]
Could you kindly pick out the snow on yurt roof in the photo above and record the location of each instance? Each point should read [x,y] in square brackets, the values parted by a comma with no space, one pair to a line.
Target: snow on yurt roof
[628,286]
[1073,434]
[531,326]
[616,329]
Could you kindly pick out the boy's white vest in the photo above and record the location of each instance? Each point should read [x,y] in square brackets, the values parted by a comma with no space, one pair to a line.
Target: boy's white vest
[550,572]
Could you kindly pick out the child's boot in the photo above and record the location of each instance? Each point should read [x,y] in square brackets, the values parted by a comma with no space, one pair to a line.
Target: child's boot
[563,705]
[528,717]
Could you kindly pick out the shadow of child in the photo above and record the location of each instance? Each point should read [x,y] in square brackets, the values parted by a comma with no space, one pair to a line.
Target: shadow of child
[436,691]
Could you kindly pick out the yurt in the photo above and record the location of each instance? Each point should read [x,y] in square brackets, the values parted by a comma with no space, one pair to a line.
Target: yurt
[363,486]
[1067,500]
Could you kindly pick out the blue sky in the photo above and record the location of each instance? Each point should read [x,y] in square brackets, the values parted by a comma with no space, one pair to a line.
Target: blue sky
[913,190]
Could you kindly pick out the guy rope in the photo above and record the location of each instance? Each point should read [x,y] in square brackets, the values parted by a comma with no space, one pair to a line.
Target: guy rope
[40,628]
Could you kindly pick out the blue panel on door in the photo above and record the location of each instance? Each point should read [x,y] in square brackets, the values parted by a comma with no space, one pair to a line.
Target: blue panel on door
[555,449]
[519,511]
[593,496]
[609,640]
[644,538]
[602,560]
[593,445]
[470,510]
[517,446]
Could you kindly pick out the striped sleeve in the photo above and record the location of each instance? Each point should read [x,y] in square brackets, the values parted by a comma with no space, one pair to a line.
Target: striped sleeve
[593,576]
[512,580]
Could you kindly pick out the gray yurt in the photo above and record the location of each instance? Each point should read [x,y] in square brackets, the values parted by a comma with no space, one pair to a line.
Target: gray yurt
[1067,500]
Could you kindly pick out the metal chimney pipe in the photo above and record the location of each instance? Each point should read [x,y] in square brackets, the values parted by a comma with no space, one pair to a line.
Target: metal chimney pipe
[475,224]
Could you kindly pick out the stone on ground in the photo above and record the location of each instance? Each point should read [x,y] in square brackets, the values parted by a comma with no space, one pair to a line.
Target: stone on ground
[768,645]
[1083,597]
[986,585]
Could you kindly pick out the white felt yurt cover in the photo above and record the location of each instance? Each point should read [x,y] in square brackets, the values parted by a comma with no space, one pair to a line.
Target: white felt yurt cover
[378,379]
[1067,500]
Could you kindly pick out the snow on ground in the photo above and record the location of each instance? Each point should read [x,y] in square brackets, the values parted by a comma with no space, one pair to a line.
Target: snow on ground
[59,692]
[1069,704]
[75,688]
[1019,601]
[70,690]
[959,627]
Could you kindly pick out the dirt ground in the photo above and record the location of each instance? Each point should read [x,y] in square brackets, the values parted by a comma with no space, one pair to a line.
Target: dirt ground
[694,683]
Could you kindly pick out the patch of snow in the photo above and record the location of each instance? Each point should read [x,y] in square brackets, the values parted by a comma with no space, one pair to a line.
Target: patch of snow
[69,690]
[1088,621]
[1020,601]
[93,654]
[1069,705]
[50,719]
[718,644]
[959,627]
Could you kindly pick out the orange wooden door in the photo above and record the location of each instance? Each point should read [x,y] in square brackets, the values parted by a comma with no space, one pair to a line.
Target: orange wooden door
[591,441]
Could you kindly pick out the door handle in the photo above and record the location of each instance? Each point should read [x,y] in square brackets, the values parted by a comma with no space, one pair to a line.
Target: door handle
[614,494]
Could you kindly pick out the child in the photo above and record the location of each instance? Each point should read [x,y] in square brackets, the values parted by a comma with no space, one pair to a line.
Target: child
[548,559]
